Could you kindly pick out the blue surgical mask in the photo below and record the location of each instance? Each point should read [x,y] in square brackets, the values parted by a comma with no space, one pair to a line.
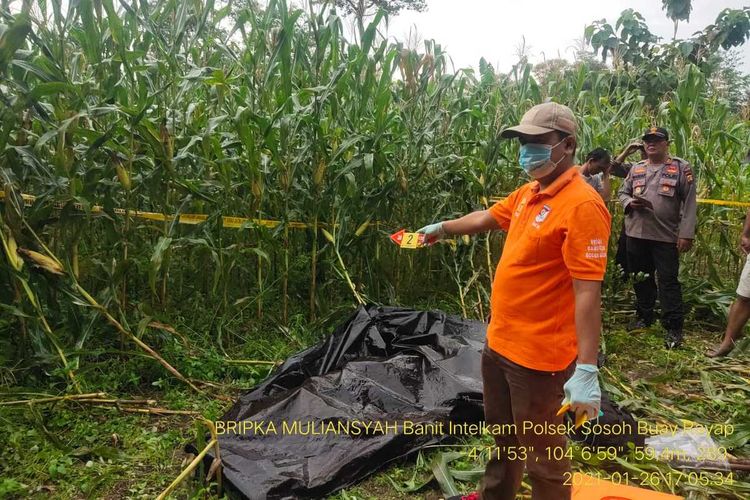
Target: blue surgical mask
[535,156]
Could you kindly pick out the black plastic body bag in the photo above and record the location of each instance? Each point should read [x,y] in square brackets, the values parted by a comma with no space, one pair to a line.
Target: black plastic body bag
[386,365]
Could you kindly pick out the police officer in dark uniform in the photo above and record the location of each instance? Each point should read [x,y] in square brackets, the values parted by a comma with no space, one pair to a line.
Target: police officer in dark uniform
[658,196]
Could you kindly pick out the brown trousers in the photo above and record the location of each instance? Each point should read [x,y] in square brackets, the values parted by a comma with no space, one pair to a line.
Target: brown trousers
[514,394]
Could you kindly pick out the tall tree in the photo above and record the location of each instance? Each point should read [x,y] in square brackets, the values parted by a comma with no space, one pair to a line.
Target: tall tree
[677,10]
[363,8]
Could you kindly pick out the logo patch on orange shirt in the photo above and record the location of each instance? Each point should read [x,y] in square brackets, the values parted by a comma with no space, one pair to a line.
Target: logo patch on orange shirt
[543,213]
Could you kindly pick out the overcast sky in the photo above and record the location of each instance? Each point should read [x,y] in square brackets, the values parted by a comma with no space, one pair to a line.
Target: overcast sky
[493,29]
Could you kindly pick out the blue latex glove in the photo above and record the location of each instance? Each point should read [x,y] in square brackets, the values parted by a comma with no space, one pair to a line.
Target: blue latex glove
[433,233]
[582,391]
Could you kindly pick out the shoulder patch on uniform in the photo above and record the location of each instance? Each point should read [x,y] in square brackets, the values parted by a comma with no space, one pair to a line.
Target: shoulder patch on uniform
[677,163]
[639,169]
[688,173]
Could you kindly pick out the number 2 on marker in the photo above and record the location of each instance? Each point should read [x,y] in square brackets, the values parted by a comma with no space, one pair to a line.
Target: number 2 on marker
[410,240]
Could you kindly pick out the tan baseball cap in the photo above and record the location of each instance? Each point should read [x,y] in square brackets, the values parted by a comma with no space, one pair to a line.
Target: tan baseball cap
[544,118]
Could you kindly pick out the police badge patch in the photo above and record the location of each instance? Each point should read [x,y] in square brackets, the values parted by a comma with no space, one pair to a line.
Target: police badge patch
[689,174]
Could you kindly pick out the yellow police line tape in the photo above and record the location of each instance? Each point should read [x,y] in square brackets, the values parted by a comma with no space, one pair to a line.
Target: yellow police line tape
[226,221]
[724,202]
[234,222]
[707,201]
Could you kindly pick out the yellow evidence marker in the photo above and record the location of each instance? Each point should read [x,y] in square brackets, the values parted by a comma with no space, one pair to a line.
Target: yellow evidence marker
[408,240]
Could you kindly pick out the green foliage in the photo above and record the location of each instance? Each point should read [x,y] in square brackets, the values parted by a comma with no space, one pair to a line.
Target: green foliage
[629,42]
[104,452]
[731,28]
[655,68]
[10,487]
[677,10]
[362,7]
[13,37]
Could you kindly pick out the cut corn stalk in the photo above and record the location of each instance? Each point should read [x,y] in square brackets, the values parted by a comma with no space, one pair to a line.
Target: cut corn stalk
[133,338]
[10,248]
[123,176]
[362,228]
[42,261]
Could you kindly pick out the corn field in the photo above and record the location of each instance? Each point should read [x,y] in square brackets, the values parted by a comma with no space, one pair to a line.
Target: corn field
[271,113]
[228,110]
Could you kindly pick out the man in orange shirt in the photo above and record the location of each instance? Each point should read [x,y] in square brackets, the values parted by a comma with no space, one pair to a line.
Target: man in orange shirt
[545,307]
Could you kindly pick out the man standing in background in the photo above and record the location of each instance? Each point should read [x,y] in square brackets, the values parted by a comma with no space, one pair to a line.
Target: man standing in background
[660,215]
[595,172]
[739,312]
